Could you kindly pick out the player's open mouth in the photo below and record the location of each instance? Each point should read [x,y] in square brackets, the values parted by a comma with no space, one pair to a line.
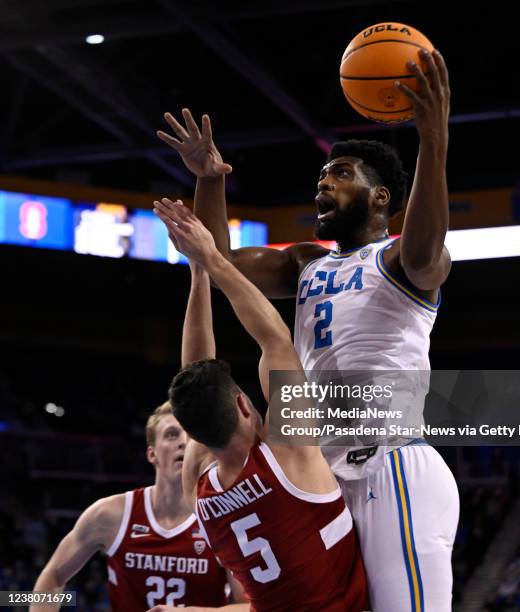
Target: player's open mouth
[179,459]
[326,206]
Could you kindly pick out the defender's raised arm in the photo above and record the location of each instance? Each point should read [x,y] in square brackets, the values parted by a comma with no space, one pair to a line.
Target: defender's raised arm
[259,317]
[198,341]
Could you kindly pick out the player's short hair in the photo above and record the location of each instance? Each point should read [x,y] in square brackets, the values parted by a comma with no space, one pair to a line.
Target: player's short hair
[382,166]
[153,420]
[203,398]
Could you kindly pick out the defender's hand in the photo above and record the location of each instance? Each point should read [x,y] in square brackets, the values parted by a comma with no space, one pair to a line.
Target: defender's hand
[188,234]
[431,103]
[196,147]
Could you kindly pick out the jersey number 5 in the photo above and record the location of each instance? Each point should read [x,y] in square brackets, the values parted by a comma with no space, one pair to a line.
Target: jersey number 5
[159,583]
[324,311]
[261,545]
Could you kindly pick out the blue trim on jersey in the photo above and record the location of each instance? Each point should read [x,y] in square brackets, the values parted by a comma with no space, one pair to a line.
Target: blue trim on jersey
[423,302]
[407,537]
[419,577]
[401,525]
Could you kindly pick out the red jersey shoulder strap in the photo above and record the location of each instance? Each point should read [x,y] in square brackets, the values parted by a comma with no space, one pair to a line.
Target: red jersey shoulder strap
[276,469]
[123,525]
[334,531]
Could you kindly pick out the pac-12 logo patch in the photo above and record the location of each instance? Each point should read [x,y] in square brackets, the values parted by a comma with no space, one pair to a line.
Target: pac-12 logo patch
[199,546]
[364,253]
[139,531]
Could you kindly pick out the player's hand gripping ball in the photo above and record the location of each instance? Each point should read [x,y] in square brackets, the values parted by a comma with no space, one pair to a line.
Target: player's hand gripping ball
[373,61]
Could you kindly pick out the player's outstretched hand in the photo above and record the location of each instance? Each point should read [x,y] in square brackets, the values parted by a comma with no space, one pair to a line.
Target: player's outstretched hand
[188,234]
[431,103]
[196,147]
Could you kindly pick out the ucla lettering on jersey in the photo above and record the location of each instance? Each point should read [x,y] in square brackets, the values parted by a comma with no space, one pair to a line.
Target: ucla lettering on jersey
[324,283]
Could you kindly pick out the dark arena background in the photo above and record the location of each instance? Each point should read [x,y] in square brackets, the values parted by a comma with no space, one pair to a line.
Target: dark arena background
[92,312]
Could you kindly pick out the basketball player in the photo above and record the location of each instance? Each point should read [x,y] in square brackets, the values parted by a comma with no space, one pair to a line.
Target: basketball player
[155,551]
[370,304]
[274,515]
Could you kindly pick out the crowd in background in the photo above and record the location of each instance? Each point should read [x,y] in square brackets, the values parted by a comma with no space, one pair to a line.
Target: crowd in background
[57,466]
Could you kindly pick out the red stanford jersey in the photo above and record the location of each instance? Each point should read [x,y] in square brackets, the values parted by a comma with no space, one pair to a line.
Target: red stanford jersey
[149,565]
[291,550]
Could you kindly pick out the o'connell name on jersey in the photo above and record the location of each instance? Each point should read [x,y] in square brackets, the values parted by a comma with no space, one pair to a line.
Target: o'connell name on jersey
[290,550]
[149,565]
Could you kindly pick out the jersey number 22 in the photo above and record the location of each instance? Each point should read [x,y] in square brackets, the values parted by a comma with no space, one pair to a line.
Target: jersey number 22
[160,585]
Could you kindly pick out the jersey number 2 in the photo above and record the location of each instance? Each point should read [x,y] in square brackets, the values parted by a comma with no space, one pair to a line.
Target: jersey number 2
[159,583]
[261,545]
[321,339]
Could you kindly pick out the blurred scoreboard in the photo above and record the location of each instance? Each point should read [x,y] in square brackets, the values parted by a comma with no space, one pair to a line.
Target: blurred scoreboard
[103,229]
[113,230]
[39,221]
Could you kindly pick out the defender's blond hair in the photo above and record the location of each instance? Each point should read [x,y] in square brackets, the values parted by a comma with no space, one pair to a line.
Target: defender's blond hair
[153,419]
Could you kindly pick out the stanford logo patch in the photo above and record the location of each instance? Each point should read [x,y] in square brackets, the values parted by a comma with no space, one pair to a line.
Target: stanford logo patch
[199,546]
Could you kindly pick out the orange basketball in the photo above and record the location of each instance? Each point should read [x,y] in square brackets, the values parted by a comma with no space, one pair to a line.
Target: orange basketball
[374,59]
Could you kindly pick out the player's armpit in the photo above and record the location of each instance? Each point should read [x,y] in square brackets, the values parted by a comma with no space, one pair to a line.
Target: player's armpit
[298,454]
[196,459]
[277,355]
[272,271]
[432,276]
[425,278]
[280,368]
[294,434]
[275,272]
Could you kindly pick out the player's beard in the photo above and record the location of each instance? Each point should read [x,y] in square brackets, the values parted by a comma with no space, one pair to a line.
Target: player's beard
[346,222]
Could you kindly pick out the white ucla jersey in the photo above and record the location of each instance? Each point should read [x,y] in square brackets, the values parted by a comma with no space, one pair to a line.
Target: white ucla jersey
[352,314]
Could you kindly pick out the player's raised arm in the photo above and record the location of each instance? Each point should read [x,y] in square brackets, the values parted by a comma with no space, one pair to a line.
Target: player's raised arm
[423,256]
[258,316]
[201,156]
[94,531]
[273,271]
[198,341]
